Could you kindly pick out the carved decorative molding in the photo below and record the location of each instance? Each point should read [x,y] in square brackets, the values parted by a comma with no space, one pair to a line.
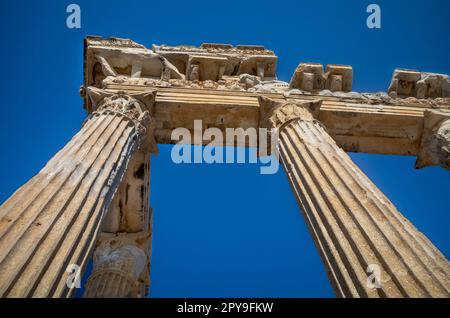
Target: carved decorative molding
[275,115]
[121,267]
[112,42]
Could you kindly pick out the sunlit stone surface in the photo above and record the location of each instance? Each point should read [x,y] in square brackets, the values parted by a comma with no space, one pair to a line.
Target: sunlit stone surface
[91,199]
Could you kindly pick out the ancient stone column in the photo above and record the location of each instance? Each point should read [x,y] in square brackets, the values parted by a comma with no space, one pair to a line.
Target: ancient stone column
[435,144]
[121,263]
[369,249]
[52,221]
[123,251]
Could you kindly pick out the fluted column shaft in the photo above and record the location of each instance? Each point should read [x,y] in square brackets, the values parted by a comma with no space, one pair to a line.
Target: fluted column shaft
[52,221]
[368,247]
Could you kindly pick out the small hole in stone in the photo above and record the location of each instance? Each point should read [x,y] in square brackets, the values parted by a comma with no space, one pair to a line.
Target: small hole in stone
[139,172]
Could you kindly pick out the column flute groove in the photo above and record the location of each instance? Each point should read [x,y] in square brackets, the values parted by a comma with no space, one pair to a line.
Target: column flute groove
[369,249]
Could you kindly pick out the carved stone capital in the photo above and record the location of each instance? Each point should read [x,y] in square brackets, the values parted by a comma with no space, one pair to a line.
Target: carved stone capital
[277,114]
[137,107]
[120,255]
[435,144]
[122,262]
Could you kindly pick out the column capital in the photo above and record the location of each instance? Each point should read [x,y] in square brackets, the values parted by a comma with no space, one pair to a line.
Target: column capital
[435,143]
[122,260]
[137,107]
[279,113]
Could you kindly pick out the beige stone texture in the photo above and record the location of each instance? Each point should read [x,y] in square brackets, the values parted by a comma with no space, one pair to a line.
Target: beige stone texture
[92,197]
[412,83]
[435,144]
[52,220]
[342,74]
[121,266]
[356,229]
[310,77]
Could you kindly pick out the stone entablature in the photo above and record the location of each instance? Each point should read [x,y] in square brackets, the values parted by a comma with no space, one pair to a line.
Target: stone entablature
[234,61]
[360,122]
[221,67]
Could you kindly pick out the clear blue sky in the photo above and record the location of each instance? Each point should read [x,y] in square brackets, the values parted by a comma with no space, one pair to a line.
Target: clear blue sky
[222,230]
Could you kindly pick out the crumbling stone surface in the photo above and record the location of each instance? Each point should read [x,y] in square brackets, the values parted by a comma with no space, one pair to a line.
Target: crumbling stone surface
[94,192]
[435,144]
[311,77]
[222,59]
[249,80]
[412,83]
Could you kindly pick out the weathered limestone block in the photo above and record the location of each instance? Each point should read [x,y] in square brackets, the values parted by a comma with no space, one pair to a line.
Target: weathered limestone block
[234,61]
[262,66]
[435,144]
[412,83]
[132,63]
[403,82]
[260,69]
[433,85]
[216,46]
[335,83]
[310,77]
[52,221]
[204,68]
[121,267]
[271,87]
[249,80]
[368,247]
[114,57]
[308,80]
[194,72]
[339,78]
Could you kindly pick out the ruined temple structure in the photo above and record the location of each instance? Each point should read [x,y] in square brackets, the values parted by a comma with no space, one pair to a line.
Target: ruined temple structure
[91,199]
